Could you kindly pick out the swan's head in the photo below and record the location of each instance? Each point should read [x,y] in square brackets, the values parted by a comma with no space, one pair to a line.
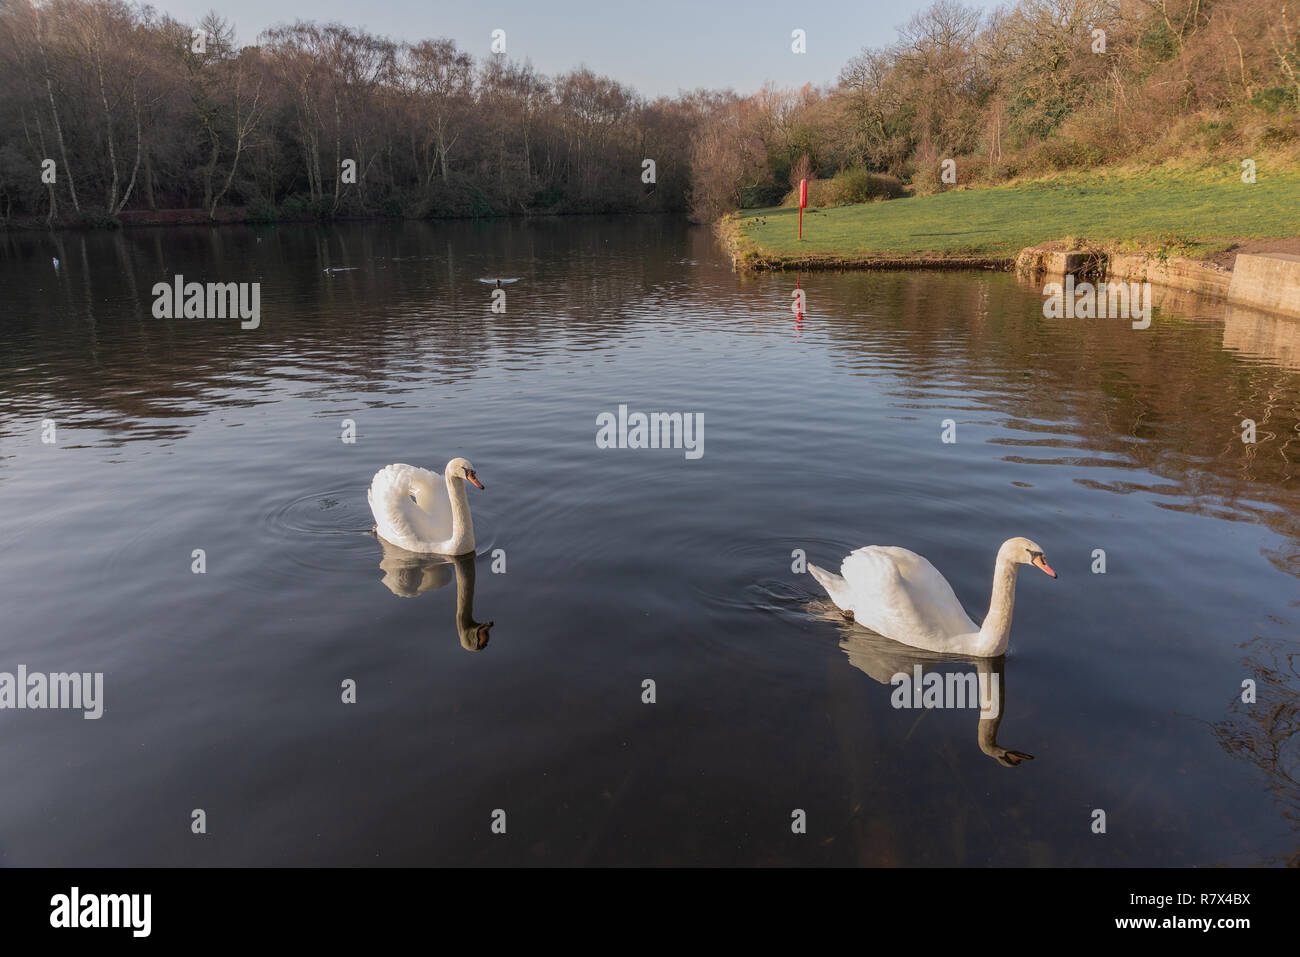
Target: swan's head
[463,470]
[1025,552]
[475,638]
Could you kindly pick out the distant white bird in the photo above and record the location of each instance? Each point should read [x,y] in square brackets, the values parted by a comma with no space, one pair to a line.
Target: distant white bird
[423,511]
[333,269]
[500,282]
[898,594]
[55,260]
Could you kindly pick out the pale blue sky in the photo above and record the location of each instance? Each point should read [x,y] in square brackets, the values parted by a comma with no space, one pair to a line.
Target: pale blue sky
[657,46]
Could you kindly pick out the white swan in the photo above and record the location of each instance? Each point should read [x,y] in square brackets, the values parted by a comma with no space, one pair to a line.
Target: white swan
[423,511]
[898,594]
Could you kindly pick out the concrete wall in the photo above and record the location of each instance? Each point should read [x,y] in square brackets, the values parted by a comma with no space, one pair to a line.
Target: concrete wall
[1270,282]
[1190,275]
[1035,262]
[1262,335]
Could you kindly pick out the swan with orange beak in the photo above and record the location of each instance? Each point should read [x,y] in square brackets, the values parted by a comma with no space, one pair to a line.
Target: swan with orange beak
[423,511]
[899,594]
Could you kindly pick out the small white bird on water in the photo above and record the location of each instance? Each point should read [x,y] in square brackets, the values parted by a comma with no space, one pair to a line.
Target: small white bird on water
[55,260]
[898,594]
[423,511]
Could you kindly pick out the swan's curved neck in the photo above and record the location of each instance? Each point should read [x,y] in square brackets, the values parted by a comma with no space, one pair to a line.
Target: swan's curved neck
[462,525]
[473,634]
[993,695]
[464,596]
[995,633]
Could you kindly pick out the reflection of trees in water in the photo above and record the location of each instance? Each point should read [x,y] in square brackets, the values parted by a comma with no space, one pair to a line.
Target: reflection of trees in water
[1267,733]
[83,343]
[1168,400]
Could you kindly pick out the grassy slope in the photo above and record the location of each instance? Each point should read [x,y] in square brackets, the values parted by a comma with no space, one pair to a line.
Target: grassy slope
[1198,210]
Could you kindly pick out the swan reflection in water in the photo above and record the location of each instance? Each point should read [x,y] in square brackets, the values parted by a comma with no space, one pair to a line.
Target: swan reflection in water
[883,659]
[409,574]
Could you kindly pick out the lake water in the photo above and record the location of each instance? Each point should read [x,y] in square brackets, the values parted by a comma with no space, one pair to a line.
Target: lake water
[222,691]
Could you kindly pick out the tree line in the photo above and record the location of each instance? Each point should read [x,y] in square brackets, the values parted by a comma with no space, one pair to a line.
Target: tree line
[110,107]
[1031,88]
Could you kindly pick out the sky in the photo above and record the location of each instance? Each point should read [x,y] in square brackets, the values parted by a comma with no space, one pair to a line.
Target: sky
[656,46]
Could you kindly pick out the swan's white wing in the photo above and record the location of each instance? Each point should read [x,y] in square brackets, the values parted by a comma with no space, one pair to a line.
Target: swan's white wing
[410,506]
[899,594]
[431,496]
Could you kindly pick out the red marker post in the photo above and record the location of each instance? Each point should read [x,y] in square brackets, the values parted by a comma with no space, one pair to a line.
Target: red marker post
[803,201]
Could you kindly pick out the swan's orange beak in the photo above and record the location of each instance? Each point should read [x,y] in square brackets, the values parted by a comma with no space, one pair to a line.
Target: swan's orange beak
[477,484]
[1041,562]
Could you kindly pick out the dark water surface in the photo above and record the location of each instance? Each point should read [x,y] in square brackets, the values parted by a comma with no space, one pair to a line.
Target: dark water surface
[222,690]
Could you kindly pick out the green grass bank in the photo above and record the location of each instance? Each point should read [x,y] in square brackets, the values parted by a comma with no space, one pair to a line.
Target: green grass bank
[1196,213]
